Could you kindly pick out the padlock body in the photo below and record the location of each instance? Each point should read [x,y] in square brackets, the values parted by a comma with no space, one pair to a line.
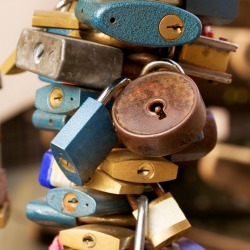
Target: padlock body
[143,131]
[67,59]
[61,98]
[97,237]
[120,20]
[90,127]
[166,222]
[78,202]
[49,121]
[41,213]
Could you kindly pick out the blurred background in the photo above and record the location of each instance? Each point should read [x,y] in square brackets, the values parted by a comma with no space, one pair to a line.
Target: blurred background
[214,192]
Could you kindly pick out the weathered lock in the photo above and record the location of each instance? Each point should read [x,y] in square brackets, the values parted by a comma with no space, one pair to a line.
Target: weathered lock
[165,221]
[165,25]
[159,114]
[88,137]
[97,237]
[50,174]
[41,213]
[83,201]
[213,12]
[49,121]
[105,183]
[202,51]
[199,149]
[67,59]
[125,165]
[62,98]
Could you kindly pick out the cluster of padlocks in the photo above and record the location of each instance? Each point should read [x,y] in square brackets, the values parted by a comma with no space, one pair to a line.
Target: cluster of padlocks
[123,100]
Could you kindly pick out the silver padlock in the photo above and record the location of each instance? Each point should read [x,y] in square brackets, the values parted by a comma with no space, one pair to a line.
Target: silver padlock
[68,59]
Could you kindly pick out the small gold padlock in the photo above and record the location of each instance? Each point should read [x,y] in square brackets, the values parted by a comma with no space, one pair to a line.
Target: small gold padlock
[97,237]
[166,222]
[124,165]
[105,183]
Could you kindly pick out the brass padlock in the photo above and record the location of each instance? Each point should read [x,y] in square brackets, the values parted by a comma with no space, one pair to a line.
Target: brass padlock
[124,165]
[105,183]
[166,222]
[97,237]
[159,114]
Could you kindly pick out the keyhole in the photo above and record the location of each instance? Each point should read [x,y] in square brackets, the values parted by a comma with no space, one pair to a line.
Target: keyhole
[158,108]
[175,27]
[56,98]
[38,53]
[67,165]
[88,241]
[146,171]
[70,202]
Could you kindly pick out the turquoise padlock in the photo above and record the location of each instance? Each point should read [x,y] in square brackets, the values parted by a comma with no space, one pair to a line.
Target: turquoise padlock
[84,201]
[62,98]
[49,121]
[144,23]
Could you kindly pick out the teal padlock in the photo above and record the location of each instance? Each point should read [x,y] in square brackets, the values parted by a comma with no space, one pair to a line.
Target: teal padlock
[140,22]
[62,98]
[88,137]
[49,121]
[83,201]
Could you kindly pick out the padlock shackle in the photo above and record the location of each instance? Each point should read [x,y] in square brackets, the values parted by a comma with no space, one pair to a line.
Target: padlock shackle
[141,225]
[166,63]
[158,189]
[112,88]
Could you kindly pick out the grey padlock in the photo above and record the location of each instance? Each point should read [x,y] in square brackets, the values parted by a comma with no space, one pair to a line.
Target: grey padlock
[68,59]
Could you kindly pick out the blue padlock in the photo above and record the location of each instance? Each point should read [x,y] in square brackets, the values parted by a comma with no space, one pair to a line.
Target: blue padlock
[49,121]
[83,201]
[62,98]
[88,137]
[48,80]
[141,22]
[50,174]
[41,213]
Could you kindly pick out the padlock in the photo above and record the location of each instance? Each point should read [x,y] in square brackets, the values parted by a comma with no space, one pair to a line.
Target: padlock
[41,213]
[50,174]
[199,149]
[88,137]
[201,53]
[105,183]
[67,59]
[165,222]
[61,98]
[97,237]
[213,12]
[49,121]
[4,213]
[164,118]
[83,201]
[9,65]
[165,25]
[56,19]
[124,165]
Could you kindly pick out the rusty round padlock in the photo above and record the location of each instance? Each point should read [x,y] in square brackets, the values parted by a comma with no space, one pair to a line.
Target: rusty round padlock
[200,148]
[159,113]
